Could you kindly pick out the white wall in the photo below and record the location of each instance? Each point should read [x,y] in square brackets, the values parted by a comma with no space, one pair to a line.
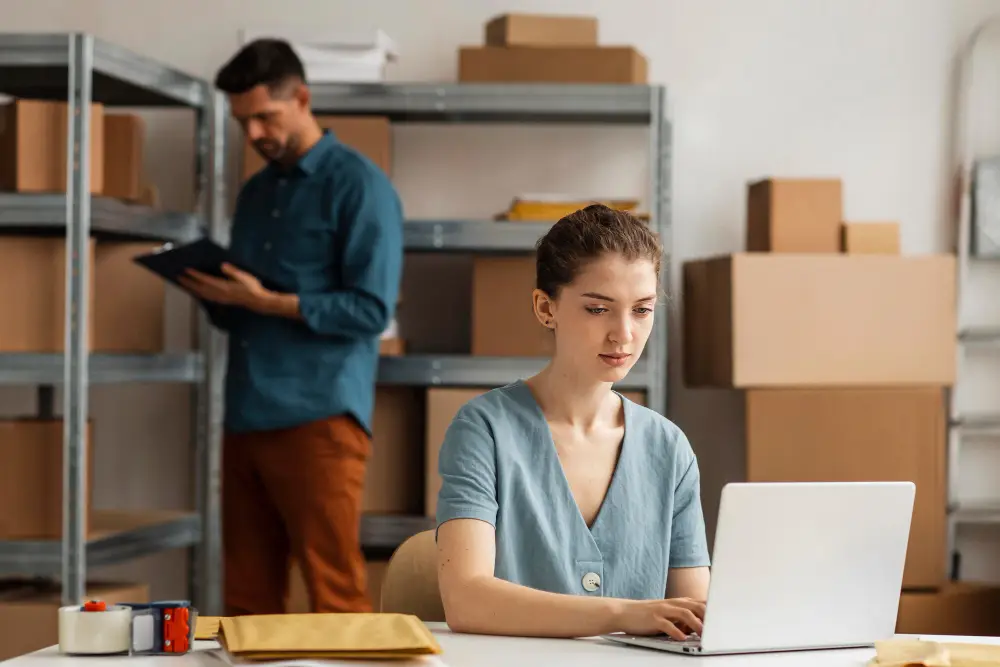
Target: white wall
[788,87]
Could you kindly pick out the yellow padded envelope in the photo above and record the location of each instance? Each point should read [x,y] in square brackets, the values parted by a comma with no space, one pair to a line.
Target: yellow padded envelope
[206,627]
[922,653]
[326,636]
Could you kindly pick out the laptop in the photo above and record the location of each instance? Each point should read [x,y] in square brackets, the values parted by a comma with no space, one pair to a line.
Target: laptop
[800,566]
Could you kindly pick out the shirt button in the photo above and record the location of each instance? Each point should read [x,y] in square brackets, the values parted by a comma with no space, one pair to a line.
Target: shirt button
[591,582]
[244,344]
[275,213]
[281,182]
[267,246]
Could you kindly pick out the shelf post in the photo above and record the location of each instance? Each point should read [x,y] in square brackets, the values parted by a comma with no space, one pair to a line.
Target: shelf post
[208,393]
[75,365]
[657,354]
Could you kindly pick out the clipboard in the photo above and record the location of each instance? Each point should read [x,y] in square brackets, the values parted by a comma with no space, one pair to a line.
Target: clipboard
[171,262]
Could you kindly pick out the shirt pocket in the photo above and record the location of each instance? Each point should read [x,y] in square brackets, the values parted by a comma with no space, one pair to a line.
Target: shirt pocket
[307,251]
[307,243]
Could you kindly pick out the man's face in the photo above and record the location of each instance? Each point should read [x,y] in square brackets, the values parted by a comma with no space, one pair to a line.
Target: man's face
[272,122]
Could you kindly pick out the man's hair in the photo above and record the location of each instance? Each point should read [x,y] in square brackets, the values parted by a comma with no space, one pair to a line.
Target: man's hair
[262,62]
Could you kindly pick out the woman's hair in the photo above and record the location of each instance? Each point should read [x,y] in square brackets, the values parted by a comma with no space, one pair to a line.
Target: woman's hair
[586,235]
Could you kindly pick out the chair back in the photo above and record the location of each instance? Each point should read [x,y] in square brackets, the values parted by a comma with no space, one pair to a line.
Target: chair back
[410,585]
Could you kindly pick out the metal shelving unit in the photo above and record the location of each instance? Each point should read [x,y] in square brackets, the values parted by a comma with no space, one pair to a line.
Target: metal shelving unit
[973,244]
[467,371]
[81,69]
[506,103]
[109,218]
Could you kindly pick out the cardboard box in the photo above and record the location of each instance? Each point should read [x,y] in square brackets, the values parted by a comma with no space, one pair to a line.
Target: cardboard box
[541,30]
[297,601]
[33,146]
[33,282]
[503,320]
[124,136]
[762,320]
[442,406]
[369,135]
[794,215]
[577,64]
[126,302]
[29,612]
[960,608]
[391,347]
[870,238]
[129,302]
[860,435]
[393,483]
[31,479]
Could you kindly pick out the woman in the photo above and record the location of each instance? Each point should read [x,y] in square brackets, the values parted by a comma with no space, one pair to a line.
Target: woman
[565,509]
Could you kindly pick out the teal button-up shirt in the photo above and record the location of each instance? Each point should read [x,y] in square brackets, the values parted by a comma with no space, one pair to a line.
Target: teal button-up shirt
[328,229]
[498,464]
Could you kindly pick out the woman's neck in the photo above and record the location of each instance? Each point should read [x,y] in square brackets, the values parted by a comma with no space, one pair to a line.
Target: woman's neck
[568,399]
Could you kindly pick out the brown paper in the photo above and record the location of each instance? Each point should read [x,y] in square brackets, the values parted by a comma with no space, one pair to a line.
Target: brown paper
[921,653]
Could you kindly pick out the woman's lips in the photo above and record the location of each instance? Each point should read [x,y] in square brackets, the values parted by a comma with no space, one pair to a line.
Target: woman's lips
[615,360]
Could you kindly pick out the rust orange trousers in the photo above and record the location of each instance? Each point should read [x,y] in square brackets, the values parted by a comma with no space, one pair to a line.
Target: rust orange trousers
[294,493]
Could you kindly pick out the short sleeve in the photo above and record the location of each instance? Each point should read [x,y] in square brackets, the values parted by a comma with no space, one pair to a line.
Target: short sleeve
[688,544]
[467,466]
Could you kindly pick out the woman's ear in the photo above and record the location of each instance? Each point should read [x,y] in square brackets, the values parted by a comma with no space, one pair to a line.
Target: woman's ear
[544,308]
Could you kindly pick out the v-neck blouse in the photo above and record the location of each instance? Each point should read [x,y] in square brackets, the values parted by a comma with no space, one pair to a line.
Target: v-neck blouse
[498,464]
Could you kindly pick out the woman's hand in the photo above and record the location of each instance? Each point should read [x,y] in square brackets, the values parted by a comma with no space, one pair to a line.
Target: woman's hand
[677,617]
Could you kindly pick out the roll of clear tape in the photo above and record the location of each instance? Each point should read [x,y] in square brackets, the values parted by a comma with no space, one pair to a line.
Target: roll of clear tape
[95,632]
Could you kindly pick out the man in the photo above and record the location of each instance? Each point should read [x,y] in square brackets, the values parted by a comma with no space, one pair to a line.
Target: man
[319,234]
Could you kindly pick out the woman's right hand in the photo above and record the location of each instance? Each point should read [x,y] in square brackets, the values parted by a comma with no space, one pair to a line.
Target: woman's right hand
[677,617]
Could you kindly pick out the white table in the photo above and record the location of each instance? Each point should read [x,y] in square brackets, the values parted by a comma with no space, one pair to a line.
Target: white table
[481,651]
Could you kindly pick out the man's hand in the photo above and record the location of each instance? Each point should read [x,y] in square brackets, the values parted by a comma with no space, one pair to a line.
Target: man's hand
[238,288]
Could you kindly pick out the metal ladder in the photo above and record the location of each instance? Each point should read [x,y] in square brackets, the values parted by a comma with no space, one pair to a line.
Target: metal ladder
[977,247]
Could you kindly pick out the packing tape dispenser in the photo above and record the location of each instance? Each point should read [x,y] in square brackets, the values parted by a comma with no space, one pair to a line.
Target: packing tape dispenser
[98,628]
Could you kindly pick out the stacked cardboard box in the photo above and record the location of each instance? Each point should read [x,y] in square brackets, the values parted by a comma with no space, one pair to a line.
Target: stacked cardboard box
[844,350]
[33,150]
[126,303]
[534,48]
[31,479]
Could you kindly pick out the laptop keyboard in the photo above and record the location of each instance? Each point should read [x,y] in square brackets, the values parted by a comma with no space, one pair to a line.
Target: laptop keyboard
[691,640]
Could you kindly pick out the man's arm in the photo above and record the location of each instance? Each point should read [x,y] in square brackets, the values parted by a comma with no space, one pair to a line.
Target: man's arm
[371,266]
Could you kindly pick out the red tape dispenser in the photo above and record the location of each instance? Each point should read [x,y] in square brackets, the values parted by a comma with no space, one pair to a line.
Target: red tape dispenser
[97,628]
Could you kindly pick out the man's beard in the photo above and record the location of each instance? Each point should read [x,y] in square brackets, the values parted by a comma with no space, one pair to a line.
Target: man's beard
[275,151]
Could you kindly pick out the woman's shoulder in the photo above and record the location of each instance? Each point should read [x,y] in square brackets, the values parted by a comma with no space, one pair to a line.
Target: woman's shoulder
[505,405]
[664,438]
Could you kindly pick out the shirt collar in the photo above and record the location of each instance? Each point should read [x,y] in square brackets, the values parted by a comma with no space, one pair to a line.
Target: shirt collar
[309,162]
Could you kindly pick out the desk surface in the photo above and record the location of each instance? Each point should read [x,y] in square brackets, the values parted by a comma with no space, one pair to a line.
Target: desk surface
[481,651]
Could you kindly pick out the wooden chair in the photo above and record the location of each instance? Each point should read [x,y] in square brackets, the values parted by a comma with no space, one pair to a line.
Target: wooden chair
[410,585]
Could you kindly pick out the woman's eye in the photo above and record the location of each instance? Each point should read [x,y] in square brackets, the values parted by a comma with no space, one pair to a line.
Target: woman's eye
[597,310]
[642,310]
